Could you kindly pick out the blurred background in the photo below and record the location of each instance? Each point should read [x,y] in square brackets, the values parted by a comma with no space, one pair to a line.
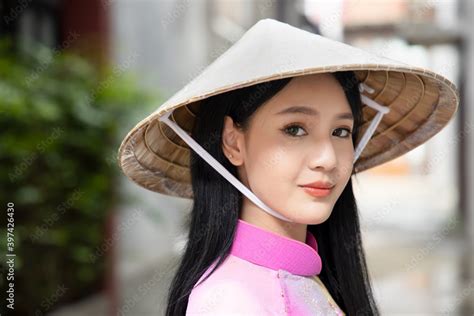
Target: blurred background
[76,76]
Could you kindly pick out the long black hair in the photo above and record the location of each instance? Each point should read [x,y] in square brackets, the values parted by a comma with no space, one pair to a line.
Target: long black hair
[213,219]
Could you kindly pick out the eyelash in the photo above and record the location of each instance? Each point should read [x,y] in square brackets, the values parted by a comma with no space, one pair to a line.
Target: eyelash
[284,130]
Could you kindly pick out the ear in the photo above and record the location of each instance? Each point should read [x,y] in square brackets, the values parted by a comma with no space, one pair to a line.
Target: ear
[232,141]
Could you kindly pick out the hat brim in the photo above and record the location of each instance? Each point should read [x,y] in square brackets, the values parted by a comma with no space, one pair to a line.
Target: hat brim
[421,103]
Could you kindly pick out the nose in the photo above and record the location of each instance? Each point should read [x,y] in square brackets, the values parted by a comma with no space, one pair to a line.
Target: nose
[323,156]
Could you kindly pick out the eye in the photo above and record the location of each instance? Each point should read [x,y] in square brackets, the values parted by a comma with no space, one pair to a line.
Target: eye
[345,134]
[293,129]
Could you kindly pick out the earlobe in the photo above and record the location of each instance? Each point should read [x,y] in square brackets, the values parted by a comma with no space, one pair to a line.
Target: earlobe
[229,157]
[228,152]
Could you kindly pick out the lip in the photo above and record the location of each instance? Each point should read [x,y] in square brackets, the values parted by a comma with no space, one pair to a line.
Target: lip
[317,192]
[318,189]
[319,185]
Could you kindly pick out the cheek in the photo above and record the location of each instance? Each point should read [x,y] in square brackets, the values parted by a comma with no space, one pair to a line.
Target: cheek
[345,164]
[272,169]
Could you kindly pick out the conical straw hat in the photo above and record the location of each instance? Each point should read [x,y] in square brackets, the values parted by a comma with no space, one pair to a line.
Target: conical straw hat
[420,102]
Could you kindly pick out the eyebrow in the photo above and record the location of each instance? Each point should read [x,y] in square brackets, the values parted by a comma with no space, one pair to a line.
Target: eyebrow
[310,111]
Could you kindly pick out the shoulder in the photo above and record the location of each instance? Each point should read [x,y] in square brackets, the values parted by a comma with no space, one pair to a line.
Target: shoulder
[221,297]
[237,286]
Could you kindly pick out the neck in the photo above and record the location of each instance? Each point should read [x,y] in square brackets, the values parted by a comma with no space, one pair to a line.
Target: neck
[258,217]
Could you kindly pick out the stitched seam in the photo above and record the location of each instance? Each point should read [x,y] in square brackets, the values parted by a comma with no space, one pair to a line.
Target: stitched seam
[284,293]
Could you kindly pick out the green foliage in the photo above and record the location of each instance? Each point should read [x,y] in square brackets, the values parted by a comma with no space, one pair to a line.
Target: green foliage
[61,122]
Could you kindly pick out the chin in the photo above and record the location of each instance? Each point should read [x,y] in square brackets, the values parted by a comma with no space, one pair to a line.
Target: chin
[310,217]
[319,220]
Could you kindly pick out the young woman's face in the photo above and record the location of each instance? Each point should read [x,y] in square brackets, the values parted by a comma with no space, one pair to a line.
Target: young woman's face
[300,136]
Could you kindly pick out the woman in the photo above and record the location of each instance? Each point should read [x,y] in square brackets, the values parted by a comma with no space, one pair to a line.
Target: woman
[277,128]
[276,155]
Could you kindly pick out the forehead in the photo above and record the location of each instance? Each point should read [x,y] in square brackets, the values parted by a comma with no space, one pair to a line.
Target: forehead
[320,91]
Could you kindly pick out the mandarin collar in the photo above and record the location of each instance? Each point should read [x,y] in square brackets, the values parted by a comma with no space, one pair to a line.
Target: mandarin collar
[274,251]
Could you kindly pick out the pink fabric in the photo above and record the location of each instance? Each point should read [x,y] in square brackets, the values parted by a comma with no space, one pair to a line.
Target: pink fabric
[264,274]
[268,249]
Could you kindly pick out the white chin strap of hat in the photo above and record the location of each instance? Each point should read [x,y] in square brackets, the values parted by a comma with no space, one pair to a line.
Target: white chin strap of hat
[381,111]
[239,185]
